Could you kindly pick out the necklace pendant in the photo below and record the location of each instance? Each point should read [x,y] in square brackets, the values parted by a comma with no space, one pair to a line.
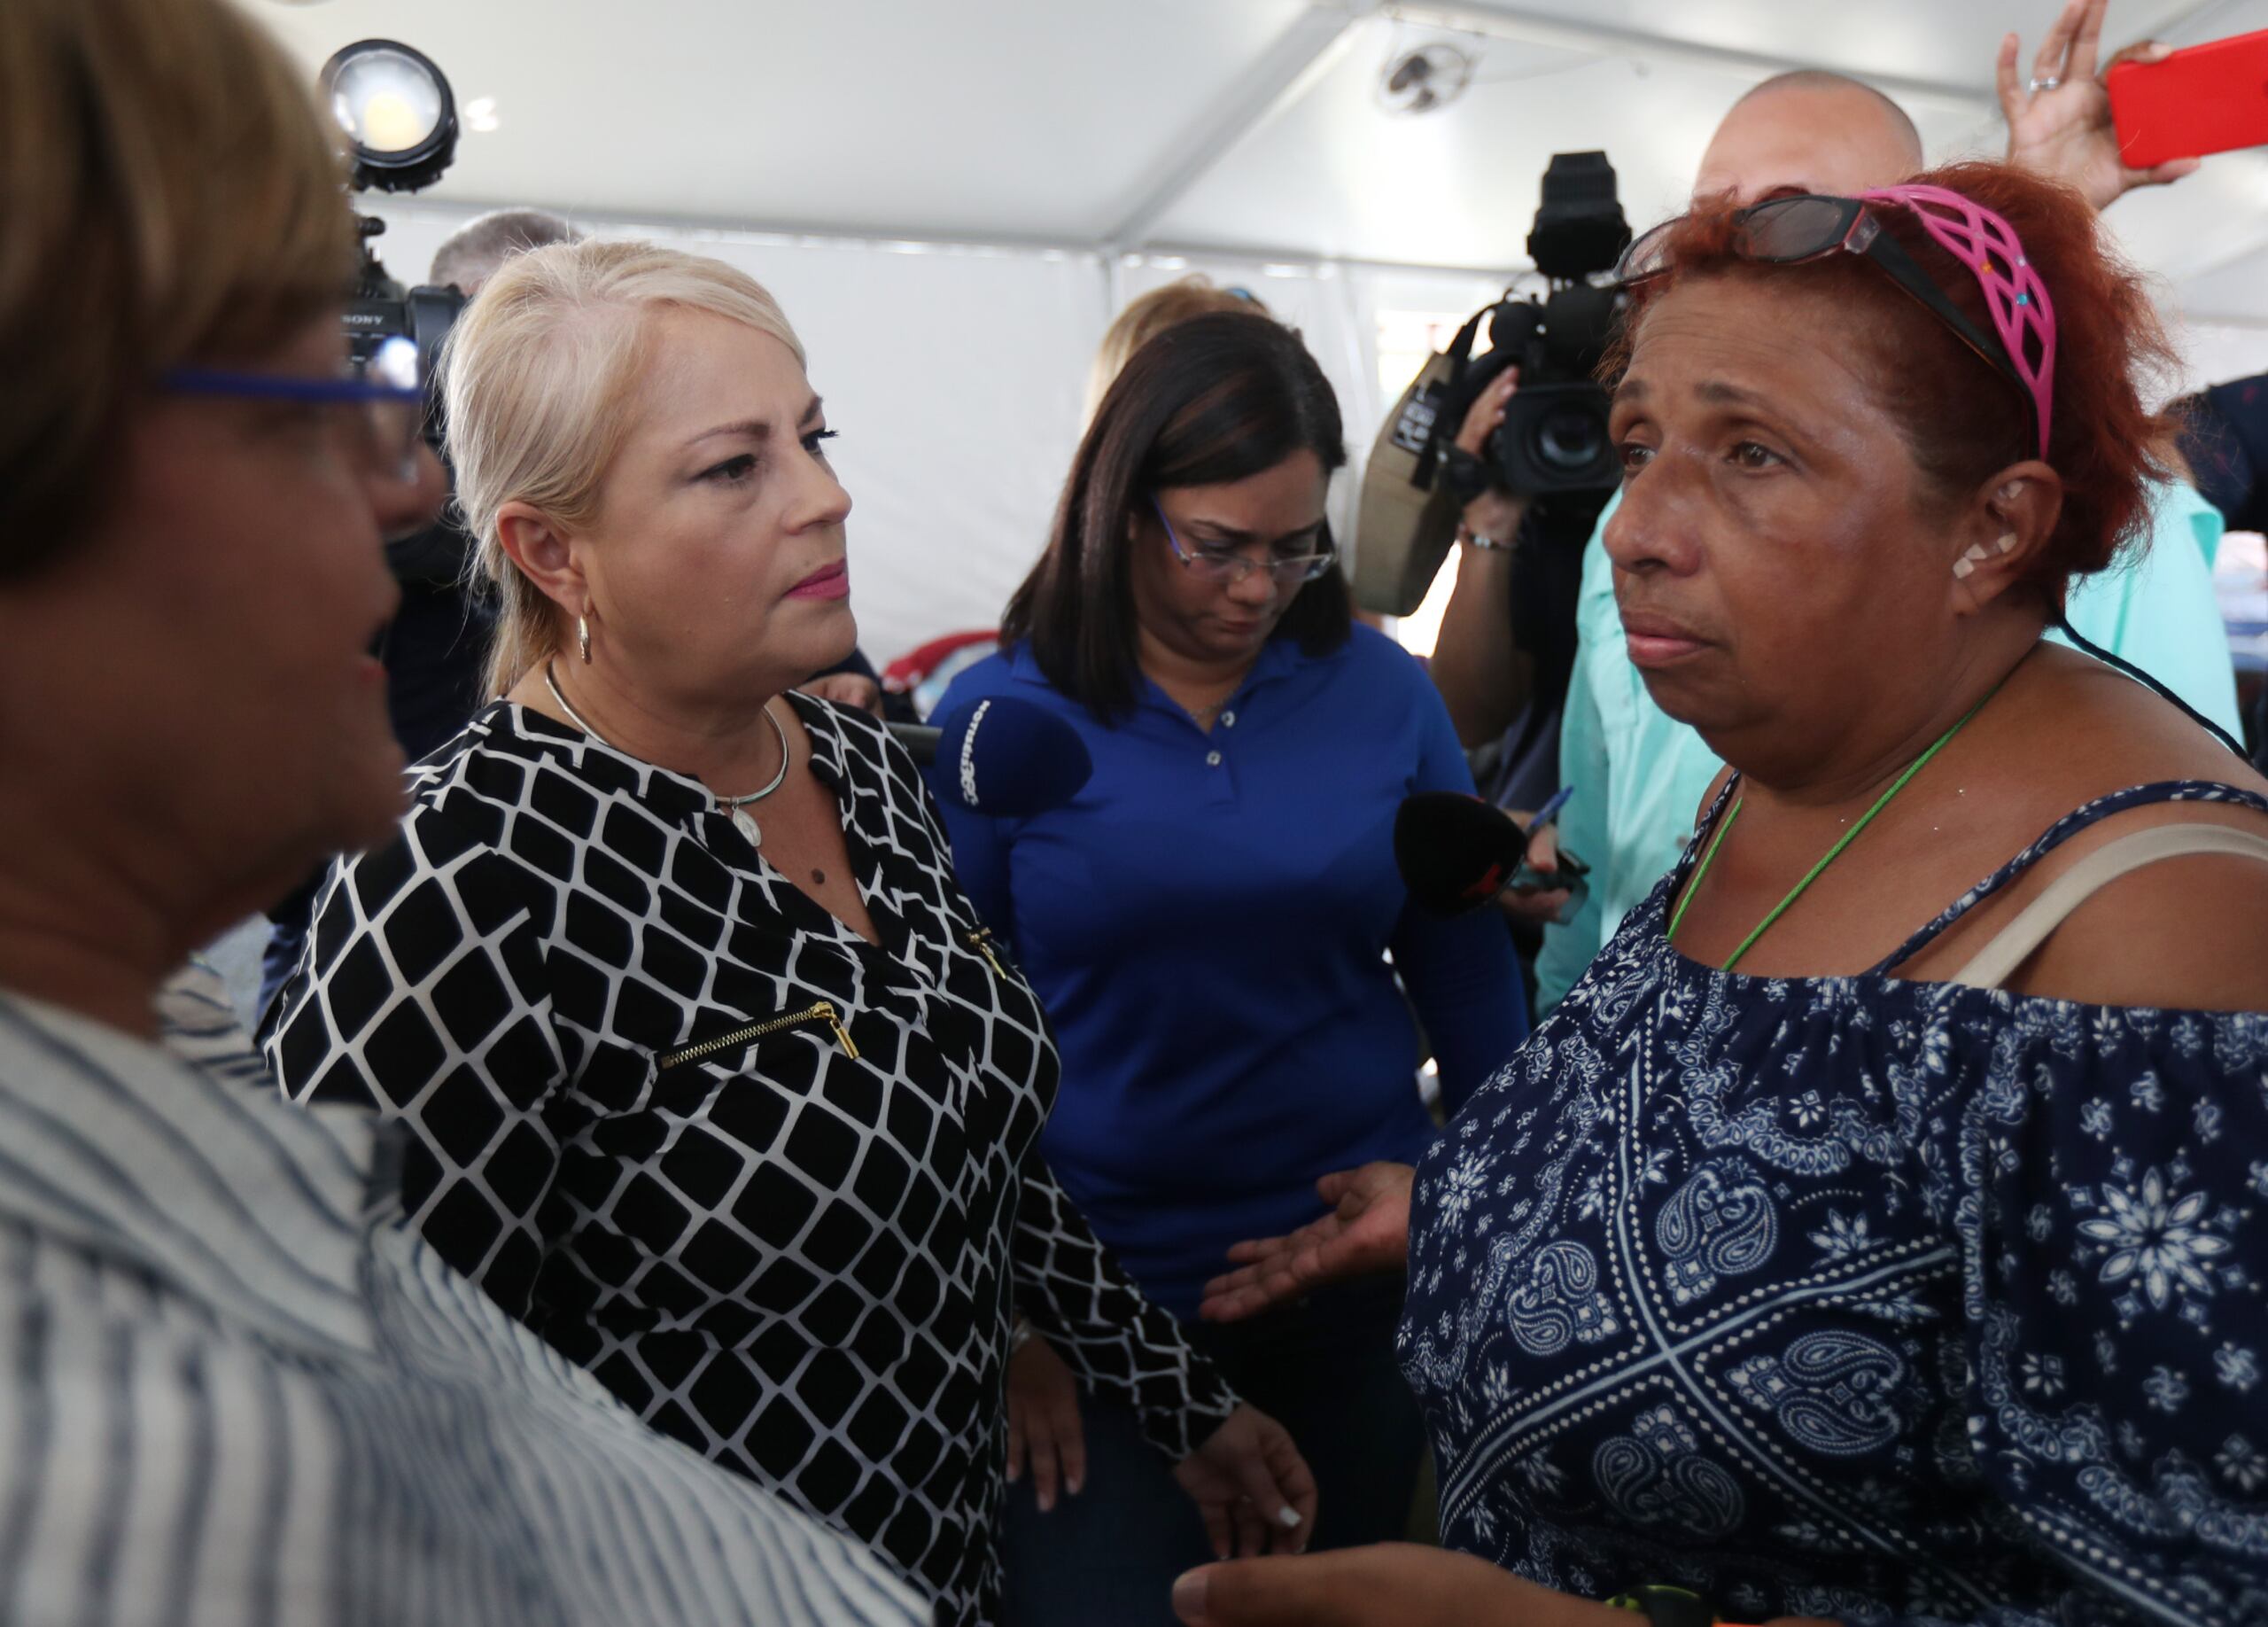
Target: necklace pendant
[745,822]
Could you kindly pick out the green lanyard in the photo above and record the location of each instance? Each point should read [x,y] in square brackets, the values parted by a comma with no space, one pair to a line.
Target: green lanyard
[1832,853]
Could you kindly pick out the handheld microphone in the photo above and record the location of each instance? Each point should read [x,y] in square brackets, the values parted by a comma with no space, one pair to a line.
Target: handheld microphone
[918,739]
[1455,852]
[1000,756]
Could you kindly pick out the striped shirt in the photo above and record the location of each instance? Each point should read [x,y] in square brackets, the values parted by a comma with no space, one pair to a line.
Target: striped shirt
[234,1388]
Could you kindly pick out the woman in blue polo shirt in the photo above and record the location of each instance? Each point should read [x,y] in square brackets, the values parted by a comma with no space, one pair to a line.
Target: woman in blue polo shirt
[1208,923]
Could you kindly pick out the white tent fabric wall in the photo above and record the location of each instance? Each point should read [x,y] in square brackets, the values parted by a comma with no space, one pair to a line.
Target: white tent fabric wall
[958,374]
[2214,353]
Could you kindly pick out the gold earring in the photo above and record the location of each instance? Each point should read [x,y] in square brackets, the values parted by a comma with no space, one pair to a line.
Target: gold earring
[583,639]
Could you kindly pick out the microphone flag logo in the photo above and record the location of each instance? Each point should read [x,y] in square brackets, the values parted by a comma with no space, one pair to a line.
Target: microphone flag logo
[969,755]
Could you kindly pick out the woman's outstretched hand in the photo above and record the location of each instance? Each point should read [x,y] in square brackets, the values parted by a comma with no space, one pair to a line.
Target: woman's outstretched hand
[1254,1490]
[1367,1232]
[1393,1585]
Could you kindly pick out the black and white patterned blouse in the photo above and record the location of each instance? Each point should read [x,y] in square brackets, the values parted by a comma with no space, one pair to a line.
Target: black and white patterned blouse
[770,1182]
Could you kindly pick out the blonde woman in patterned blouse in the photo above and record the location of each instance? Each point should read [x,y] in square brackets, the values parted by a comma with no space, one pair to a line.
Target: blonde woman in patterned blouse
[712,1075]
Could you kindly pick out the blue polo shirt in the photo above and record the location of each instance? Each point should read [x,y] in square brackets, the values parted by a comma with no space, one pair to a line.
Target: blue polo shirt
[1208,924]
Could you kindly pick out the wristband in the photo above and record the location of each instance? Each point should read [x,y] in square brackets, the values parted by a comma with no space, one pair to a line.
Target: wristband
[1486,545]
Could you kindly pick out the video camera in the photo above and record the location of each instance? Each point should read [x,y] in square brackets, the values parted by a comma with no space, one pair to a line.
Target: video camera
[396,110]
[1554,437]
[398,117]
[384,313]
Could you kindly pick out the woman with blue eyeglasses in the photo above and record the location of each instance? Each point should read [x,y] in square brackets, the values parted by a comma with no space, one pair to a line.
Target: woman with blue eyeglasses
[1209,922]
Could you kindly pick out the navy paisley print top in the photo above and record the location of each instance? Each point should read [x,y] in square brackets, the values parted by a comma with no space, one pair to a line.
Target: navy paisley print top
[1858,1297]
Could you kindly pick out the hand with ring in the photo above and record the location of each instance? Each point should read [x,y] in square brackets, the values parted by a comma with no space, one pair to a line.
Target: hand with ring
[2059,119]
[1251,1488]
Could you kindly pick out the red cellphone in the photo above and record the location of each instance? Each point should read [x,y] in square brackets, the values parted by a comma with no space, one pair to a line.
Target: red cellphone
[2209,98]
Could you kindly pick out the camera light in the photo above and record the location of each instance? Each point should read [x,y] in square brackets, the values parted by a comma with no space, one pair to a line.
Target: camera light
[394,362]
[397,112]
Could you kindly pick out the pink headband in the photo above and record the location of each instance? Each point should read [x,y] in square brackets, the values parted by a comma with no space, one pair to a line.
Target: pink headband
[1987,245]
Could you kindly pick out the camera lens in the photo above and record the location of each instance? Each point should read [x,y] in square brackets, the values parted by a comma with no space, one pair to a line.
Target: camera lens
[1569,438]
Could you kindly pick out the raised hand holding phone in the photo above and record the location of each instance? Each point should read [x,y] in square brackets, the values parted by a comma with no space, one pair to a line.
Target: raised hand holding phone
[2059,120]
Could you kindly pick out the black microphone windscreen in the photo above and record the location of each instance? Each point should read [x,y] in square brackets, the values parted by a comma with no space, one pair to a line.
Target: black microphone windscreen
[1008,757]
[920,741]
[1455,852]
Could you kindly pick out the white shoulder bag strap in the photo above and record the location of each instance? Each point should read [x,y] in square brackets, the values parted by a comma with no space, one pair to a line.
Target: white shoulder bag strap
[1993,964]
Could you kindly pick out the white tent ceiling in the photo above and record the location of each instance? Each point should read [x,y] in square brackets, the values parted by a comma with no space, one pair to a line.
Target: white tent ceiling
[1244,124]
[950,197]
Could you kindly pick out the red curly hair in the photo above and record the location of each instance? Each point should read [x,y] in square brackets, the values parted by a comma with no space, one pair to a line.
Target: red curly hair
[1963,419]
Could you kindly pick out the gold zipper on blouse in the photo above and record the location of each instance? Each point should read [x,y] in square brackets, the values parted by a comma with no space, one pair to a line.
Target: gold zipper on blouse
[823,1012]
[981,940]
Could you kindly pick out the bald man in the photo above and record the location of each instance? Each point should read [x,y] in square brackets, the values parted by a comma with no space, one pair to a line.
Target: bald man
[1809,132]
[1637,774]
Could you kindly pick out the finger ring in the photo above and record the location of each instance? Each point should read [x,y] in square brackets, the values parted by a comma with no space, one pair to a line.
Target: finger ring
[2038,85]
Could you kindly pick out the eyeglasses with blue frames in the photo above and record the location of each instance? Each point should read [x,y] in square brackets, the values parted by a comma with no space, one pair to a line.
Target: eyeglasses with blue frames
[378,404]
[1232,565]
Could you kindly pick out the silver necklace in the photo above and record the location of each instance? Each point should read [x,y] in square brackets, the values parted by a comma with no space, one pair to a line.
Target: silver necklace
[744,820]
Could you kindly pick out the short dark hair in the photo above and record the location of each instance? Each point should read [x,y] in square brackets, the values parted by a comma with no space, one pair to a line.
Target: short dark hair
[476,250]
[1216,398]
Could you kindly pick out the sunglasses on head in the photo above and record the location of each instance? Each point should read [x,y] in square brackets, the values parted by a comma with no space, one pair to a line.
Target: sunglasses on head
[1791,230]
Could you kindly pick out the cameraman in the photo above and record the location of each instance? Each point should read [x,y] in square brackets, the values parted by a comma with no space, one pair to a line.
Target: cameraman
[433,651]
[1637,776]
[1479,667]
[432,648]
[1507,645]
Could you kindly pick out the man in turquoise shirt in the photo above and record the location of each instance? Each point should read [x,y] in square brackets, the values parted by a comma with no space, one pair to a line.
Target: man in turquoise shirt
[1637,776]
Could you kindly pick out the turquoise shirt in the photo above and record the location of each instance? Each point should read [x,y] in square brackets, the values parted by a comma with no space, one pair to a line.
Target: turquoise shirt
[1639,776]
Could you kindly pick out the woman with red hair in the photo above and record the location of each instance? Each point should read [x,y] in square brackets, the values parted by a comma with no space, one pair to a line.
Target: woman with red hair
[1877,1230]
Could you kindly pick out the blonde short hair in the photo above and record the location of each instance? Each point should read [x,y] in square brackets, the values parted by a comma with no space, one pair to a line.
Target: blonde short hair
[168,194]
[1147,315]
[538,372]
